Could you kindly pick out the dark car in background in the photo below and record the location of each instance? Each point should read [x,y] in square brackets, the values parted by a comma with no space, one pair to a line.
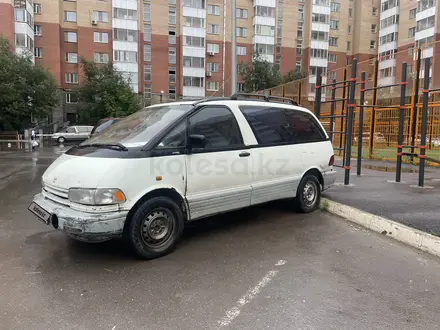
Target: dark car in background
[103,124]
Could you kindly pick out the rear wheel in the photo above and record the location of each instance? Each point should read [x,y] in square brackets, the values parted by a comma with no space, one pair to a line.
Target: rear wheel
[308,195]
[155,228]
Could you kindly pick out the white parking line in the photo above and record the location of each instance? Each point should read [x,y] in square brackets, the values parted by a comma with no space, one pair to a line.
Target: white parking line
[232,313]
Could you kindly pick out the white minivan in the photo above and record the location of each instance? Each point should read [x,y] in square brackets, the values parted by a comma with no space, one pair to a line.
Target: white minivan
[147,175]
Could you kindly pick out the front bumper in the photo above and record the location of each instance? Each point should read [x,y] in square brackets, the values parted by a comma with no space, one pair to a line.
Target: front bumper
[84,226]
[329,178]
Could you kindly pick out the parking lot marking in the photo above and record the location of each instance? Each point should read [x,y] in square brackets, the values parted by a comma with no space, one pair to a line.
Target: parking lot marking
[232,313]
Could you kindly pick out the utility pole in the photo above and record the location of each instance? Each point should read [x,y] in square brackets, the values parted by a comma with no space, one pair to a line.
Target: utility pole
[233,47]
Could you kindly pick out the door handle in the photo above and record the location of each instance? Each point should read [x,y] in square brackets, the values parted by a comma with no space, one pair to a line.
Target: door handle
[244,154]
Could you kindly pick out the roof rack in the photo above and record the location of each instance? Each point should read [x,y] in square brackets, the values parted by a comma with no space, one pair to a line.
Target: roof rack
[266,98]
[235,97]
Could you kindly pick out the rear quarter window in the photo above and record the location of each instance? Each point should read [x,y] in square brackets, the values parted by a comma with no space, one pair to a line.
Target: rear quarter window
[273,125]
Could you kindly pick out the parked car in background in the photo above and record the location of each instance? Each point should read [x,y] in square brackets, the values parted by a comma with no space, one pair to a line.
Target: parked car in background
[103,124]
[378,138]
[73,133]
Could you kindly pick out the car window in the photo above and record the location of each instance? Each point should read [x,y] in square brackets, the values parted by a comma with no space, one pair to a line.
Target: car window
[83,129]
[273,125]
[176,138]
[71,130]
[218,125]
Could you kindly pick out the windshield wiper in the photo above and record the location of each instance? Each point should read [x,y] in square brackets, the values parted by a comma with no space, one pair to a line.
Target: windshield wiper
[117,146]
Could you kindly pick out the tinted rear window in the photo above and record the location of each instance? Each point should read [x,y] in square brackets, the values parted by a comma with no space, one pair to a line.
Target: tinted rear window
[272,125]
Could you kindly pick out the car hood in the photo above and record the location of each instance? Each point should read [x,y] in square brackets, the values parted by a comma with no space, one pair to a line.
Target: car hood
[74,171]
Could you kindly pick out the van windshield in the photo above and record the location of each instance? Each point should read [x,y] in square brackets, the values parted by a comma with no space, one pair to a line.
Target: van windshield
[139,128]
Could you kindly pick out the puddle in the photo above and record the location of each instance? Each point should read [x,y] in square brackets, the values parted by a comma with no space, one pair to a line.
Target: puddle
[391,169]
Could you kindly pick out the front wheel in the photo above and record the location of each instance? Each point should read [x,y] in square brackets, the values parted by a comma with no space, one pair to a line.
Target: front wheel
[308,195]
[61,140]
[155,228]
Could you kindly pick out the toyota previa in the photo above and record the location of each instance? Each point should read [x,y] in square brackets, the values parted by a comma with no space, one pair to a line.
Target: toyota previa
[146,176]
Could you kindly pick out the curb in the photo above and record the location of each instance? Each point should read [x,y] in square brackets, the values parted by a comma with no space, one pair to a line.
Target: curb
[413,237]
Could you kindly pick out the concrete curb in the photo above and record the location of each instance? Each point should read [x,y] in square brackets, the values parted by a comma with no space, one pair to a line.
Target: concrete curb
[414,237]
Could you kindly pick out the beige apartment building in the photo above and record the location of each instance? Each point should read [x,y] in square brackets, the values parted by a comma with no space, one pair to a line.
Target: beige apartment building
[174,49]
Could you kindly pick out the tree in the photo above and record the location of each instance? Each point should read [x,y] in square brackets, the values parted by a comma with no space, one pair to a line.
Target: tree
[105,92]
[26,90]
[293,75]
[260,74]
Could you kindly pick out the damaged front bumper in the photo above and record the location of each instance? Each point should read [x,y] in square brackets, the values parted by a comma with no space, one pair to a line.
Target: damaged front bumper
[81,225]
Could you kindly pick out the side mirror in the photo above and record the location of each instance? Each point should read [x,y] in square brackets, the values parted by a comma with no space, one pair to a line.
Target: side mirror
[196,141]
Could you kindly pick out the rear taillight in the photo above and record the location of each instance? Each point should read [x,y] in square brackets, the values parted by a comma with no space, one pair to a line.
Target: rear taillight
[331,161]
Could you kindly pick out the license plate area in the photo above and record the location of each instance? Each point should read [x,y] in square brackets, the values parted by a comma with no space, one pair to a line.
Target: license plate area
[40,213]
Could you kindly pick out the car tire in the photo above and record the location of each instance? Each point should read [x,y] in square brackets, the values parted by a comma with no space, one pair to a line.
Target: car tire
[155,228]
[61,140]
[308,195]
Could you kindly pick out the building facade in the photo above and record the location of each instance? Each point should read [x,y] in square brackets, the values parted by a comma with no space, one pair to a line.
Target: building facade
[174,49]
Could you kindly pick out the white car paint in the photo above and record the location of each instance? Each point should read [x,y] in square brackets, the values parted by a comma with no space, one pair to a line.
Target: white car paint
[268,173]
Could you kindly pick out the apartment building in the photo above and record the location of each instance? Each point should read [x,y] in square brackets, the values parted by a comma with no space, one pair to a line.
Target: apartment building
[182,48]
[406,25]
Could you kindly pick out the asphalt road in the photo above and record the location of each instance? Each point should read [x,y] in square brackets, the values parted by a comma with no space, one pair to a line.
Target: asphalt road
[261,268]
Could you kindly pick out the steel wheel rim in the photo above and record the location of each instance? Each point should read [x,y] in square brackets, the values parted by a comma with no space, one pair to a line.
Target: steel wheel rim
[310,193]
[61,139]
[157,227]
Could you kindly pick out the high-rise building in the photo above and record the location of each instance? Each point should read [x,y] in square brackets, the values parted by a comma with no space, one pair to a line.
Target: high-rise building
[182,48]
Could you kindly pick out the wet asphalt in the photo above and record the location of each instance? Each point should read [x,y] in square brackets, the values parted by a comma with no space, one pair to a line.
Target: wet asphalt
[260,268]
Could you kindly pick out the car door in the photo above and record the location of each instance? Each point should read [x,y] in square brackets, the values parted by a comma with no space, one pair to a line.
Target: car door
[71,133]
[219,174]
[278,165]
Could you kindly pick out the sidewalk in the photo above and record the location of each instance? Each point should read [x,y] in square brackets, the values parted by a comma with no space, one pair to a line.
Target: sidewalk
[413,207]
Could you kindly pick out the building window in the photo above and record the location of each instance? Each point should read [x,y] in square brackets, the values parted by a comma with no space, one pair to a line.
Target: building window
[147,72]
[70,37]
[213,10]
[264,49]
[411,50]
[100,37]
[212,86]
[38,30]
[37,8]
[193,81]
[125,35]
[147,91]
[318,53]
[171,2]
[172,35]
[147,12]
[193,41]
[212,29]
[331,75]
[172,55]
[147,32]
[171,15]
[349,45]
[240,87]
[350,28]
[100,16]
[241,13]
[71,57]
[196,22]
[70,16]
[125,56]
[212,67]
[214,48]
[123,13]
[334,25]
[241,32]
[38,52]
[412,13]
[320,35]
[426,23]
[172,74]
[350,12]
[193,62]
[200,4]
[71,98]
[71,78]
[171,92]
[264,11]
[147,53]
[333,41]
[375,11]
[372,44]
[411,32]
[101,58]
[265,30]
[241,50]
[20,39]
[335,6]
[332,58]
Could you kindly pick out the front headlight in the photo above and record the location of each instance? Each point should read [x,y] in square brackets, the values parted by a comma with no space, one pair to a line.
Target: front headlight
[96,196]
